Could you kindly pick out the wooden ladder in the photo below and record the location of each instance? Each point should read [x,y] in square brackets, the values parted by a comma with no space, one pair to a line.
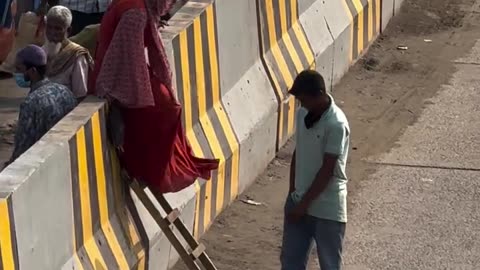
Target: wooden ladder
[195,258]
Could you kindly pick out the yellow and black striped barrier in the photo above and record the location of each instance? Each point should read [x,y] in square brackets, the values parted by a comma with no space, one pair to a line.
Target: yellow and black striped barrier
[206,122]
[285,51]
[102,238]
[366,20]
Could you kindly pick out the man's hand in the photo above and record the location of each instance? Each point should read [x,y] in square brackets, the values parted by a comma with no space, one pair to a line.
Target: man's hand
[297,214]
[163,23]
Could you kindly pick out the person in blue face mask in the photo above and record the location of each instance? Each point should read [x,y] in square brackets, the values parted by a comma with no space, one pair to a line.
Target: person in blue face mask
[45,104]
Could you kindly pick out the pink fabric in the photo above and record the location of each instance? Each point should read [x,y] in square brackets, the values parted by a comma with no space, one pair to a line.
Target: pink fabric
[125,76]
[155,149]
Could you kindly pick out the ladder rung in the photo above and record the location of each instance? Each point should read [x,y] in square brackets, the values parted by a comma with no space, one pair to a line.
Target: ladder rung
[172,216]
[198,251]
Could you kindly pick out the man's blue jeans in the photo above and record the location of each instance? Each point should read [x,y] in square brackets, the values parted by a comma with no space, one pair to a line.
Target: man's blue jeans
[298,241]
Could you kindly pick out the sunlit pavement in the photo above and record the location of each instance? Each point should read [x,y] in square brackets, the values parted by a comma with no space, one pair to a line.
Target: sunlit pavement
[11,96]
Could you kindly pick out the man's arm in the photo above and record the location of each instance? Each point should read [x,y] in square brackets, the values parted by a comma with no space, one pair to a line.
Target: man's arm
[321,181]
[80,77]
[292,172]
[25,128]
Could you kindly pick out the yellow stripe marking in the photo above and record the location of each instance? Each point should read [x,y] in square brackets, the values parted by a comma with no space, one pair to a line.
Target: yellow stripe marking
[294,11]
[359,7]
[293,53]
[187,107]
[135,242]
[379,15]
[6,237]
[370,20]
[205,120]
[103,196]
[196,232]
[88,239]
[141,264]
[304,44]
[283,16]
[291,115]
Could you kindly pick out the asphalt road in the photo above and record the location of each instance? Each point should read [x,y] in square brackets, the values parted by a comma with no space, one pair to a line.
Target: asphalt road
[420,209]
[11,97]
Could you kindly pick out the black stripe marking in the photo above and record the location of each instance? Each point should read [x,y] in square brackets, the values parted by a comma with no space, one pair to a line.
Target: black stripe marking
[84,259]
[202,140]
[298,48]
[288,59]
[263,28]
[179,77]
[13,233]
[105,250]
[109,181]
[206,61]
[77,206]
[220,132]
[289,16]
[213,210]
[201,209]
[92,177]
[285,119]
[276,18]
[98,233]
[124,245]
[193,75]
[138,225]
[227,195]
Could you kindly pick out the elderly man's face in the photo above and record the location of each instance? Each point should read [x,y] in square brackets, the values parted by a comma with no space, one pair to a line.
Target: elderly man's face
[56,31]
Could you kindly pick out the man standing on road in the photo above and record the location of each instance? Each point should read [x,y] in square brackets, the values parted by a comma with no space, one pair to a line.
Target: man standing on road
[46,103]
[316,207]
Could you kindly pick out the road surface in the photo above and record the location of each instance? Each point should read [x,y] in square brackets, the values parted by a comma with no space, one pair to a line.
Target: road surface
[10,98]
[414,165]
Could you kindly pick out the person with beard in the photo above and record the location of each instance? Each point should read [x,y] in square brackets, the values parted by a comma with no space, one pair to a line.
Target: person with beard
[46,103]
[68,62]
[152,147]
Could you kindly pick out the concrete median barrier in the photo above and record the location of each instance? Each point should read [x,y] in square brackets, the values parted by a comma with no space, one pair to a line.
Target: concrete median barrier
[63,204]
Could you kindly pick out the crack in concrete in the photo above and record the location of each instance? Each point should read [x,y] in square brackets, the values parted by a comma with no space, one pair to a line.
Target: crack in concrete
[418,166]
[466,63]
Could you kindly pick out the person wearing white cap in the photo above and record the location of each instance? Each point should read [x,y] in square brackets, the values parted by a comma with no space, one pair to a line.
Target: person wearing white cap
[45,104]
[68,63]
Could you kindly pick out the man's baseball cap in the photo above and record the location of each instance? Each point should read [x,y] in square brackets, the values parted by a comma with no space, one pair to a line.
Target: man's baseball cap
[33,55]
[309,83]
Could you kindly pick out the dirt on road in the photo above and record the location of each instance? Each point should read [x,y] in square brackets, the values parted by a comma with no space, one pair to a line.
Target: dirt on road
[382,94]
